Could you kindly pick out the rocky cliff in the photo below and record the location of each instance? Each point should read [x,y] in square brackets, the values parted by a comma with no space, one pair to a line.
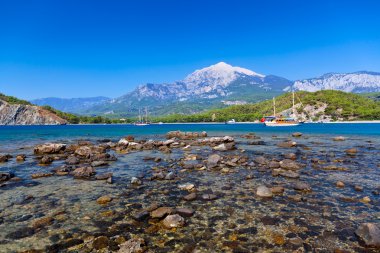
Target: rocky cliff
[17,114]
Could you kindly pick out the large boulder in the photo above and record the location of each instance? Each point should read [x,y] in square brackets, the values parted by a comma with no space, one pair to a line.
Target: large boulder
[49,148]
[369,233]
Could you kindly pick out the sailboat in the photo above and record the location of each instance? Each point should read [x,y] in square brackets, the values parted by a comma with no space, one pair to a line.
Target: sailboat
[141,121]
[280,120]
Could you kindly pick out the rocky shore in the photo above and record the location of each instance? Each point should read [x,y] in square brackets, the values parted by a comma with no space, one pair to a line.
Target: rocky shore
[190,192]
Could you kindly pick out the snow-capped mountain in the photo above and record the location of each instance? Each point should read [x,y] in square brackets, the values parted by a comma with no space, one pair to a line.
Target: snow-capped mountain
[357,82]
[204,88]
[210,82]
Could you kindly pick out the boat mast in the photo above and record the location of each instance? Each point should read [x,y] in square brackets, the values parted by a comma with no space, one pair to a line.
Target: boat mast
[139,114]
[293,106]
[274,107]
[146,114]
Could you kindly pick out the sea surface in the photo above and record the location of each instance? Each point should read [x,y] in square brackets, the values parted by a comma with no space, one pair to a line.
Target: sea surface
[321,220]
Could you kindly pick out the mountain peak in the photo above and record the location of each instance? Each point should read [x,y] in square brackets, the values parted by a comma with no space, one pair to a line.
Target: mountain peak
[220,74]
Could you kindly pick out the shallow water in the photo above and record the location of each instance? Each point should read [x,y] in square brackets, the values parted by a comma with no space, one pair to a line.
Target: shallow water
[237,221]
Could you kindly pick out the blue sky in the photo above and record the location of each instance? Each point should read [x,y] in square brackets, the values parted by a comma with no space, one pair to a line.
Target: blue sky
[70,48]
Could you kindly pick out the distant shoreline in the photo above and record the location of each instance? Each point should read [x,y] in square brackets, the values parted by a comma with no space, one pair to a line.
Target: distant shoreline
[210,123]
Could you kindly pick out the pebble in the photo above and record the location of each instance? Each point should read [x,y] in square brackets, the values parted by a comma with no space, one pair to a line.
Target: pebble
[186,186]
[340,184]
[185,212]
[39,175]
[209,196]
[100,242]
[136,181]
[173,221]
[134,245]
[302,186]
[366,199]
[297,134]
[104,200]
[190,197]
[161,212]
[263,191]
[277,190]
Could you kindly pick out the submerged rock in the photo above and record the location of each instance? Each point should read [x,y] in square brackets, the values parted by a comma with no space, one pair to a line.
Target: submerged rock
[190,197]
[297,134]
[287,144]
[45,160]
[134,245]
[173,221]
[213,160]
[186,186]
[186,212]
[161,212]
[136,181]
[39,175]
[225,146]
[263,191]
[288,164]
[103,200]
[5,176]
[100,242]
[302,186]
[209,196]
[339,138]
[20,158]
[369,233]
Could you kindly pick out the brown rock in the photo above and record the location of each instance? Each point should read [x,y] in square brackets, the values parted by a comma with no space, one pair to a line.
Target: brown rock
[369,233]
[134,245]
[277,190]
[161,212]
[190,197]
[104,200]
[351,151]
[83,172]
[45,160]
[297,134]
[39,175]
[185,212]
[173,221]
[49,148]
[42,222]
[340,184]
[100,242]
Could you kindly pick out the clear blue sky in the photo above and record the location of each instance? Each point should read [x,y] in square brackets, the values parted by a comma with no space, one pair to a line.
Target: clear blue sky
[81,48]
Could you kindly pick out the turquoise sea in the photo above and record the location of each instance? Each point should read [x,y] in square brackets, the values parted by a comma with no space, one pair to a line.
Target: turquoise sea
[58,213]
[12,134]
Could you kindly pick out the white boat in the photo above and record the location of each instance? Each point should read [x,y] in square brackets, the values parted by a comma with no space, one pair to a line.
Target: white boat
[277,121]
[232,121]
[141,121]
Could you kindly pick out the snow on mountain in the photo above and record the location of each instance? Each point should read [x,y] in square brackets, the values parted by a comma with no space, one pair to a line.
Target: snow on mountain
[209,82]
[357,82]
[220,74]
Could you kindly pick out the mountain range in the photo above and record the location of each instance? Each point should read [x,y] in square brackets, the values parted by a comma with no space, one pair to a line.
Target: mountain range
[216,86]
